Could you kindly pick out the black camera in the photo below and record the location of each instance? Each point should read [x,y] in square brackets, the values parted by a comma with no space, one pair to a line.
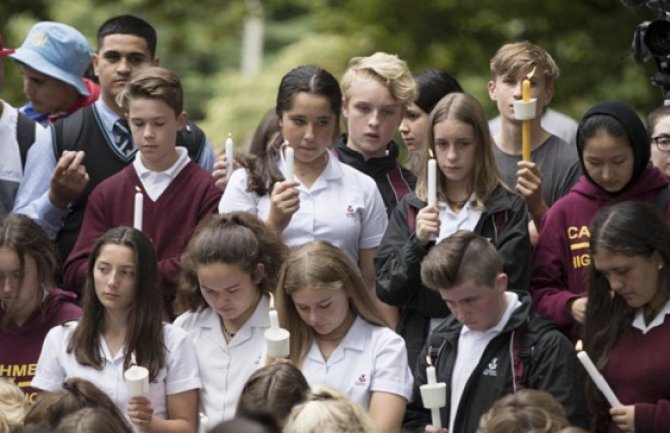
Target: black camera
[651,40]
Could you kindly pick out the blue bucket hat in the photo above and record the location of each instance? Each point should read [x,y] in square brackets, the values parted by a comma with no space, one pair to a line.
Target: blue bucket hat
[57,50]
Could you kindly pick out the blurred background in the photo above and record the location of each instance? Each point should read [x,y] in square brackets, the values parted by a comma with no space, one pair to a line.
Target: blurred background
[231,54]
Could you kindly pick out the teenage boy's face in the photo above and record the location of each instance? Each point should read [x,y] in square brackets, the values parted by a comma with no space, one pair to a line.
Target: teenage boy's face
[475,305]
[46,94]
[119,57]
[372,115]
[506,89]
[154,126]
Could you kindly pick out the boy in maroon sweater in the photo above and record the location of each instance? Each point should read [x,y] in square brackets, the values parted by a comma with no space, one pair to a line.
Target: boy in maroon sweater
[177,192]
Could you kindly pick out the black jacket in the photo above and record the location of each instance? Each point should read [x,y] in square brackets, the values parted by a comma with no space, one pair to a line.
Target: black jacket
[393,181]
[398,261]
[544,354]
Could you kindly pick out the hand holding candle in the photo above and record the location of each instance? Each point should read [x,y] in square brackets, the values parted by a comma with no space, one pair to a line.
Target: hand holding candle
[432,180]
[597,378]
[277,340]
[230,157]
[289,154]
[138,209]
[433,394]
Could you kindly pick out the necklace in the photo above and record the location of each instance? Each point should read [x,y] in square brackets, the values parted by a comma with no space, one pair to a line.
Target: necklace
[226,332]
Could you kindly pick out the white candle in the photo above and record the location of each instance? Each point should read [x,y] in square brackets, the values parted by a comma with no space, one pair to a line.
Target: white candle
[433,395]
[204,423]
[277,340]
[230,157]
[597,378]
[139,209]
[137,380]
[432,182]
[289,162]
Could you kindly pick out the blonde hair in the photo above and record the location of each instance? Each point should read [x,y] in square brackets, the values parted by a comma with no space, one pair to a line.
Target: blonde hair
[520,57]
[328,410]
[484,178]
[388,69]
[13,406]
[527,411]
[319,265]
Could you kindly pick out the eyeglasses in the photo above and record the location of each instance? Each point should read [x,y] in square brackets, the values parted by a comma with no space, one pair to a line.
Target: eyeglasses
[662,142]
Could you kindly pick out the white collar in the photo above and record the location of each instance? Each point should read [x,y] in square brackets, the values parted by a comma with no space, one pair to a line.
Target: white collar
[639,322]
[512,301]
[172,172]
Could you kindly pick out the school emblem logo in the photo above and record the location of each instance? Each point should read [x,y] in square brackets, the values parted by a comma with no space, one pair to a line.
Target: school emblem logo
[492,368]
[38,38]
[351,211]
[362,380]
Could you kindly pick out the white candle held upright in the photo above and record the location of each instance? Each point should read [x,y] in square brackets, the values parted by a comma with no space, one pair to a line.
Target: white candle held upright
[597,378]
[432,181]
[289,163]
[433,394]
[137,379]
[230,157]
[138,209]
[277,339]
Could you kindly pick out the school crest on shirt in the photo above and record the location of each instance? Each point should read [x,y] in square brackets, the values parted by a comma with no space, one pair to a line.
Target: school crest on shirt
[492,368]
[362,380]
[351,210]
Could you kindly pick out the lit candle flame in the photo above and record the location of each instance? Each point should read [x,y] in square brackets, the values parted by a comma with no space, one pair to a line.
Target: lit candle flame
[428,361]
[133,361]
[579,346]
[430,153]
[272,301]
[530,75]
[138,189]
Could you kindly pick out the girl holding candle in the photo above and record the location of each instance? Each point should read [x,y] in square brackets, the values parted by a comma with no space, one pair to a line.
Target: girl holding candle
[470,196]
[627,321]
[327,199]
[230,267]
[613,147]
[431,86]
[338,337]
[122,321]
[30,305]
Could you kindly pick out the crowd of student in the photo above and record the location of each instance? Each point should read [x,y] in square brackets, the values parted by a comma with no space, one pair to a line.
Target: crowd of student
[492,284]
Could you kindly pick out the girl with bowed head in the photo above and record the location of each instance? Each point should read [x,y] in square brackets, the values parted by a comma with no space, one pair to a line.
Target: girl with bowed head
[230,266]
[614,150]
[338,337]
[30,305]
[122,325]
[325,199]
[627,326]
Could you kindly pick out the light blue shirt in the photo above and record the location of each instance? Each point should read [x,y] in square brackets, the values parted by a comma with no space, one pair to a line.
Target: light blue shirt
[32,198]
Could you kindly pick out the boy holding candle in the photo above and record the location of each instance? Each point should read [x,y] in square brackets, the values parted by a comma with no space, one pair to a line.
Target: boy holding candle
[554,165]
[177,192]
[376,92]
[492,345]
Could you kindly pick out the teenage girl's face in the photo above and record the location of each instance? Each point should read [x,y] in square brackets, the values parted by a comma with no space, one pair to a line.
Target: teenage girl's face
[309,126]
[660,158]
[115,277]
[634,278]
[414,127]
[229,290]
[325,310]
[373,116]
[609,160]
[455,150]
[26,297]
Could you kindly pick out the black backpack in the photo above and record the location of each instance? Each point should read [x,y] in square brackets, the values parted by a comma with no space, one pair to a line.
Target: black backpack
[25,135]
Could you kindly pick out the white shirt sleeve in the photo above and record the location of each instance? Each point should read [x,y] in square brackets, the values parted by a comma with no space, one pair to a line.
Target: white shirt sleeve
[50,373]
[391,373]
[182,363]
[236,197]
[32,198]
[374,221]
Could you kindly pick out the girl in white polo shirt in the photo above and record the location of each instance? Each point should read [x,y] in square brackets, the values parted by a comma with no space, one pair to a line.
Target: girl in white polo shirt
[229,267]
[338,337]
[325,199]
[122,323]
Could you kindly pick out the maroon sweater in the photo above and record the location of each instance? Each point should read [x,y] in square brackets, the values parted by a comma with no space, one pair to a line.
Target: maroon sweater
[561,258]
[168,221]
[637,371]
[20,346]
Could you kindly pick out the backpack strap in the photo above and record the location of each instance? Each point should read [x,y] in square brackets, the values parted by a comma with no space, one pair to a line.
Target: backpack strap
[25,135]
[661,200]
[66,132]
[193,139]
[399,185]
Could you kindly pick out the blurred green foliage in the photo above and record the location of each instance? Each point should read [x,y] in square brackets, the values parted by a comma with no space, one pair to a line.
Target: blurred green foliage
[202,40]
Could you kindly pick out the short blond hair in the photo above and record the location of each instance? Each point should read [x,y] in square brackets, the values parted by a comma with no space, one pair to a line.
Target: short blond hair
[528,411]
[13,406]
[388,69]
[520,58]
[328,410]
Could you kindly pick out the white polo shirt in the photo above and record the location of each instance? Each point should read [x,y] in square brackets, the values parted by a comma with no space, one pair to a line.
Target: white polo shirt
[225,367]
[343,207]
[180,373]
[370,358]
